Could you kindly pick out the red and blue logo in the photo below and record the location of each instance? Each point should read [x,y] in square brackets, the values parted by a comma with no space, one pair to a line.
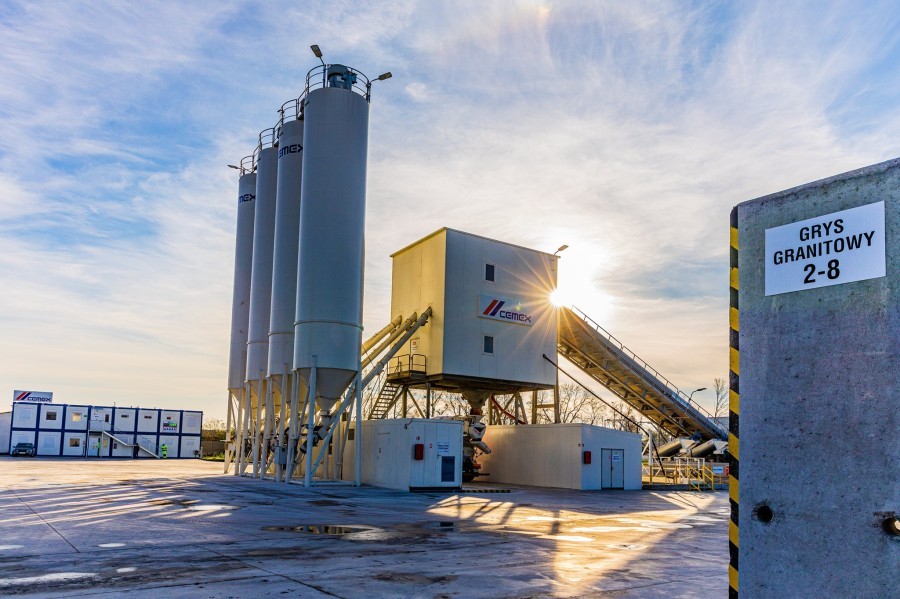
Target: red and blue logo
[503,309]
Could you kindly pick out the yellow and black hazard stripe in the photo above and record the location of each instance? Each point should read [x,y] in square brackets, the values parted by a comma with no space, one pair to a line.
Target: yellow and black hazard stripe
[733,412]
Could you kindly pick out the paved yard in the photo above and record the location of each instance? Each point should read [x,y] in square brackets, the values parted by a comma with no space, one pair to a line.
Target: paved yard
[180,528]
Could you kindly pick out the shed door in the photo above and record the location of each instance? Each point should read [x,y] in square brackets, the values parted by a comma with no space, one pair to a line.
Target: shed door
[613,469]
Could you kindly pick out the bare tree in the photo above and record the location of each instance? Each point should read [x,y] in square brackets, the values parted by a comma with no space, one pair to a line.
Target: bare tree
[721,389]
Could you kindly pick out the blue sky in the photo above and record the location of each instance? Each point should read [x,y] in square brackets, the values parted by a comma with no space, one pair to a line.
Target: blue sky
[626,130]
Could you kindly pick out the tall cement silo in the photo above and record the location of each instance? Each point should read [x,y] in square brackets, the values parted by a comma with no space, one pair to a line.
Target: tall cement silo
[328,326]
[261,291]
[240,305]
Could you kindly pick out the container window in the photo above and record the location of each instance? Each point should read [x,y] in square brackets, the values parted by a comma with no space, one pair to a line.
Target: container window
[489,272]
[50,416]
[74,442]
[488,344]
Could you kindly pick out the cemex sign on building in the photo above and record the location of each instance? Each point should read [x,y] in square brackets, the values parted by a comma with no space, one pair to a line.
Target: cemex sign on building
[815,349]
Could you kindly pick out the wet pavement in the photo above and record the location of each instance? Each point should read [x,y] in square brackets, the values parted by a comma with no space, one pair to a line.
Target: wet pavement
[180,528]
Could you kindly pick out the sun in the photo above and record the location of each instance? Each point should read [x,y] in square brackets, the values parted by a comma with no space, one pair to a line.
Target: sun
[558,298]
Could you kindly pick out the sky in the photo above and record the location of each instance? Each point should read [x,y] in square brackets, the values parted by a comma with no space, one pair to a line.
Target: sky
[627,130]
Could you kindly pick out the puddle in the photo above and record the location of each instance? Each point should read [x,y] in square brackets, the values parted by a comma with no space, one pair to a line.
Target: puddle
[210,507]
[320,529]
[324,502]
[665,525]
[55,577]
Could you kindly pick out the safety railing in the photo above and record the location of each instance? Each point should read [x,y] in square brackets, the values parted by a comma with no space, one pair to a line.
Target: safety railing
[693,472]
[324,76]
[407,365]
[673,391]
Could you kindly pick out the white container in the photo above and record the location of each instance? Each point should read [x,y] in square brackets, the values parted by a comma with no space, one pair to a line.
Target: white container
[553,455]
[5,423]
[389,454]
[243,265]
[73,444]
[77,418]
[284,260]
[51,417]
[261,276]
[332,230]
[148,421]
[191,423]
[48,443]
[25,415]
[124,420]
[478,288]
[189,445]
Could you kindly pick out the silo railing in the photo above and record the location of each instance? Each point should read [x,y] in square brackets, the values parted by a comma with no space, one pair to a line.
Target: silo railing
[317,77]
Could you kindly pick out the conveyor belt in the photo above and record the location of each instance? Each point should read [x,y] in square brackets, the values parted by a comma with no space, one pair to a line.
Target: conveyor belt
[602,357]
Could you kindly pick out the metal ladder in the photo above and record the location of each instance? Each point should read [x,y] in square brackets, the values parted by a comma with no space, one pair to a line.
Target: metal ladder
[387,397]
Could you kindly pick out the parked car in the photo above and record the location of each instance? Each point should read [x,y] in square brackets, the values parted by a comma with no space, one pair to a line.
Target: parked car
[26,449]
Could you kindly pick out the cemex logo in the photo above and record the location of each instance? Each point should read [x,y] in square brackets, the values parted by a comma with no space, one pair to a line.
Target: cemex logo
[33,396]
[497,308]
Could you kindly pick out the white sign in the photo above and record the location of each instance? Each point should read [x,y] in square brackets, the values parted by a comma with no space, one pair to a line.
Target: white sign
[833,249]
[499,308]
[33,396]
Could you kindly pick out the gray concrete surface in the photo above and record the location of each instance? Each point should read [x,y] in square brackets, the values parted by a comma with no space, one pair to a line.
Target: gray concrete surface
[819,383]
[76,528]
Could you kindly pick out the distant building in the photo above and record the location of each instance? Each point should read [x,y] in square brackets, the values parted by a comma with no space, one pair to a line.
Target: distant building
[101,431]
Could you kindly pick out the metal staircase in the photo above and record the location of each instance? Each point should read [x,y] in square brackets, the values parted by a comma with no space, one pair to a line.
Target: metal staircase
[387,397]
[603,357]
[137,441]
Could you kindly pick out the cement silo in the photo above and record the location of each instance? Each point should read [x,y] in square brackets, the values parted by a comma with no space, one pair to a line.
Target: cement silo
[328,325]
[240,306]
[287,230]
[261,292]
[243,267]
[263,245]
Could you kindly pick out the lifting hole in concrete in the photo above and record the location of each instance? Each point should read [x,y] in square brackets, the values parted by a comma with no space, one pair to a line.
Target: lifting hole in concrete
[891,526]
[763,513]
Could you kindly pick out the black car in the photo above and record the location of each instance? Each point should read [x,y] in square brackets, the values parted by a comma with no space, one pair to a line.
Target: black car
[26,449]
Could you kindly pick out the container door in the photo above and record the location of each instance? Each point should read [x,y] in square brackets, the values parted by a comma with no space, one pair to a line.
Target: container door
[612,463]
[617,468]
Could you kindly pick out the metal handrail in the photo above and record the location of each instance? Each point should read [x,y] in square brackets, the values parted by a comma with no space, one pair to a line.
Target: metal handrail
[292,110]
[313,81]
[414,363]
[677,393]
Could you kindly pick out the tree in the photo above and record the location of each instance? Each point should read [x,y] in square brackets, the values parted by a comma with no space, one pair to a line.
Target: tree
[721,389]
